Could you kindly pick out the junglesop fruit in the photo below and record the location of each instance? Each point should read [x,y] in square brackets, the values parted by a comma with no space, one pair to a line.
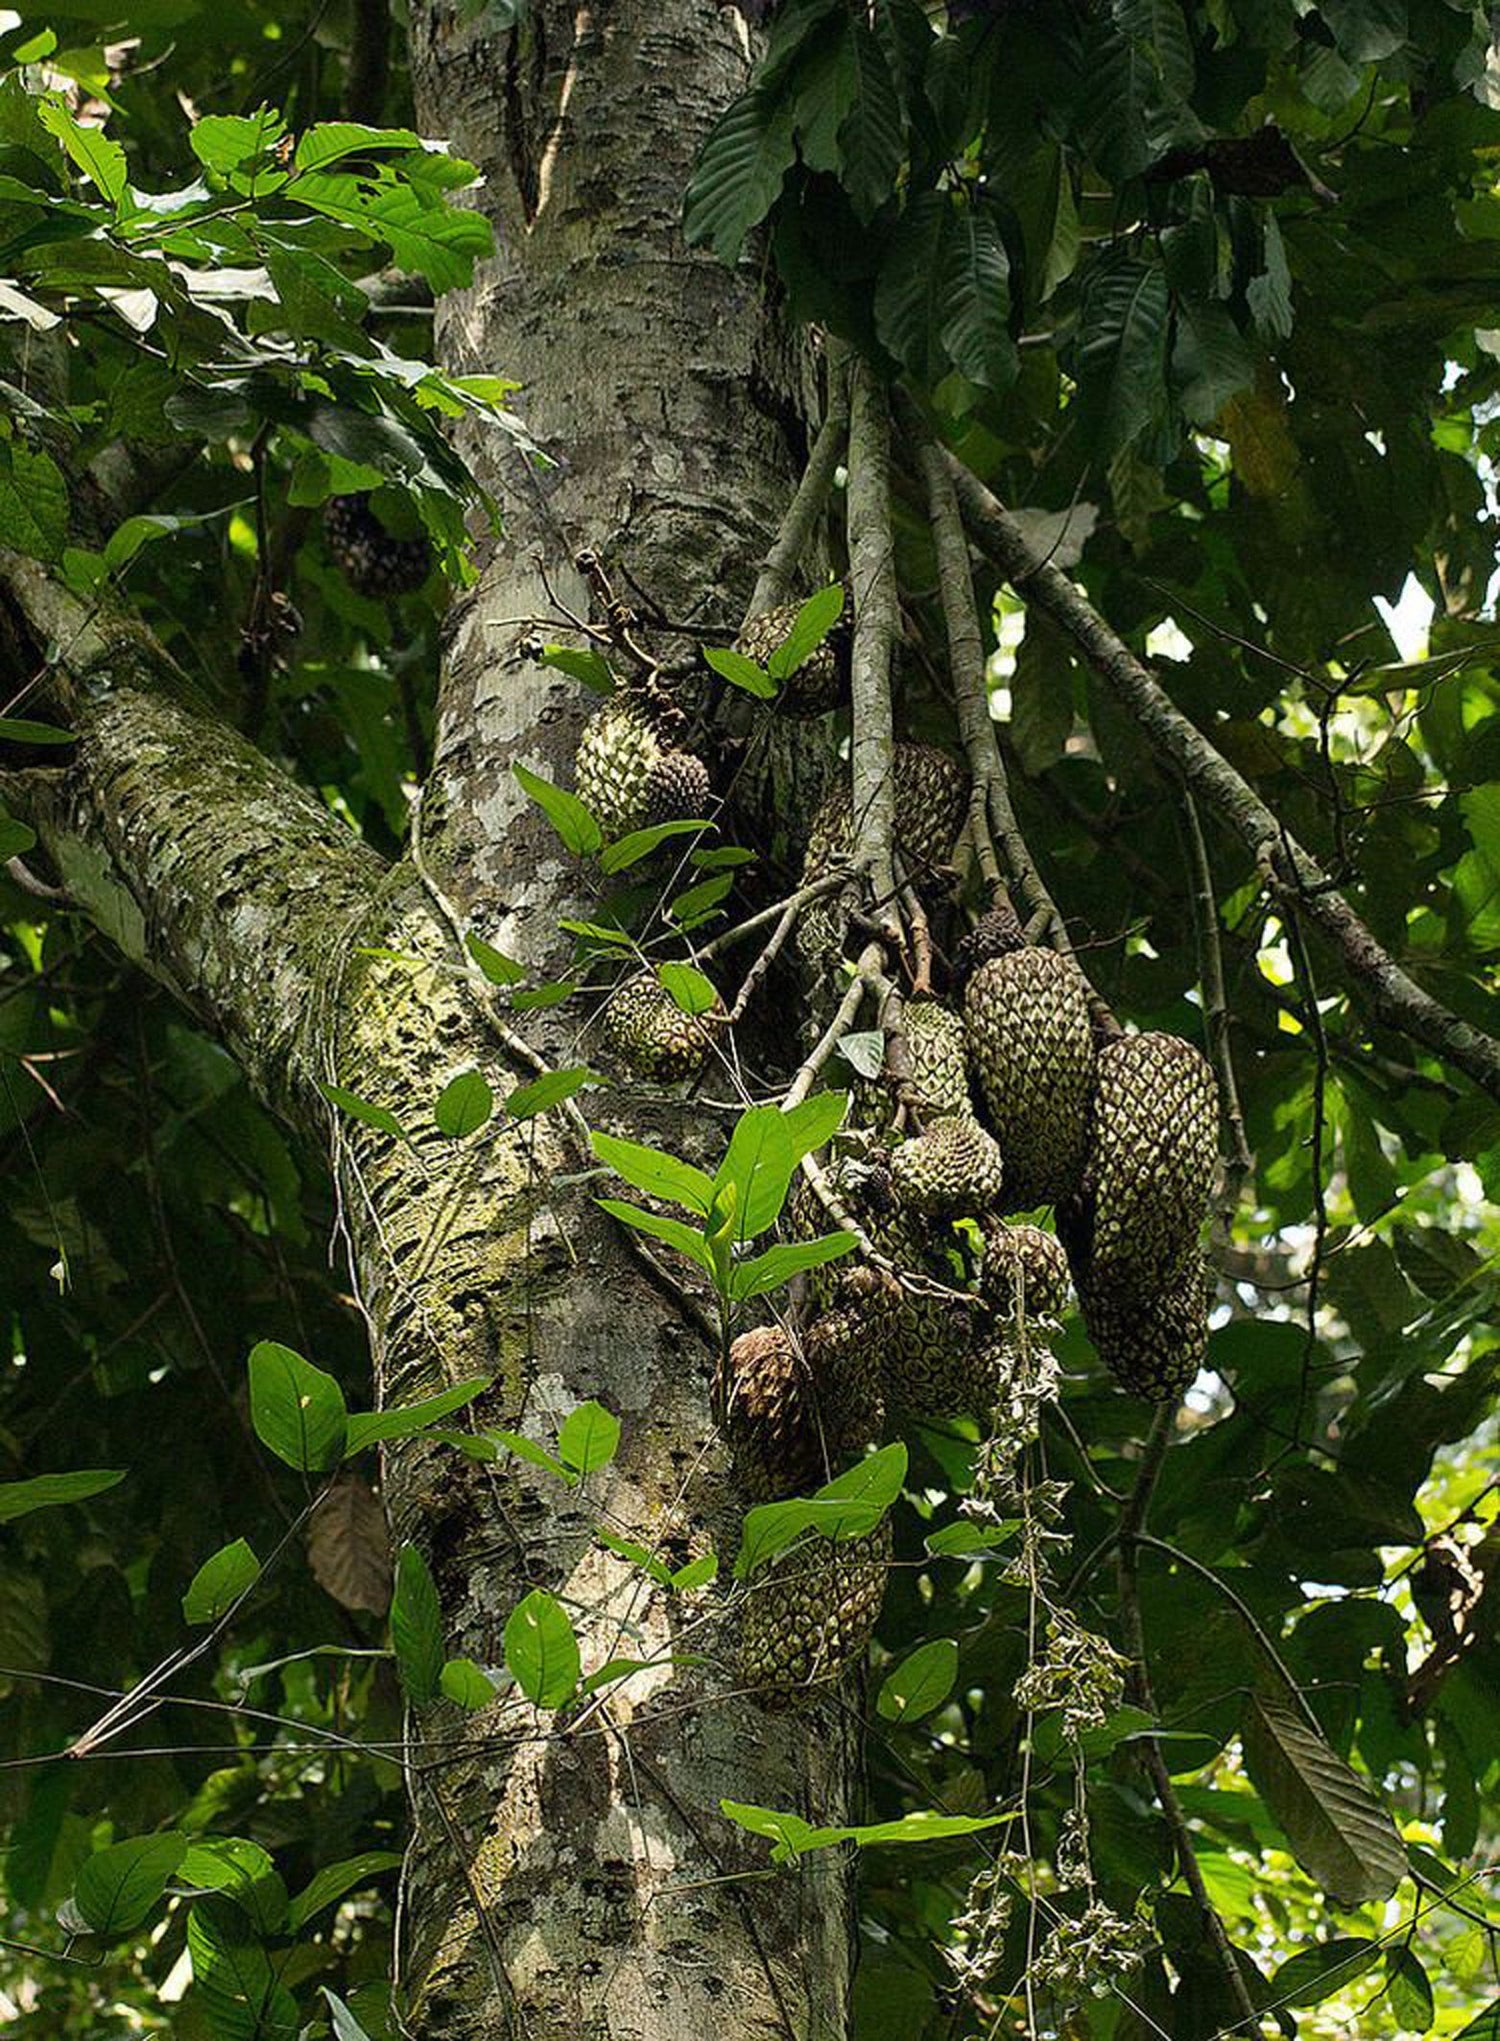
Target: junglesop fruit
[931,795]
[372,560]
[652,1036]
[796,1410]
[630,778]
[952,1171]
[1024,1268]
[821,682]
[1027,1020]
[1152,1343]
[808,1614]
[1154,1156]
[935,1051]
[996,933]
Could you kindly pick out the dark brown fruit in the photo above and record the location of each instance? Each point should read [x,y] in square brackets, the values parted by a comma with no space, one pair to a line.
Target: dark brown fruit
[371,559]
[651,1034]
[996,933]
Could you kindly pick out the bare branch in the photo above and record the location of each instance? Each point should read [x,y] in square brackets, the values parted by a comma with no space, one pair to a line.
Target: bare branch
[1390,995]
[872,569]
[777,580]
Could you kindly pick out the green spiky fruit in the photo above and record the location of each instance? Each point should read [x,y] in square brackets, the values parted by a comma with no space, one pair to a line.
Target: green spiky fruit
[996,933]
[652,1036]
[952,1171]
[1154,1157]
[808,1615]
[1024,1270]
[372,560]
[1026,1016]
[1153,1342]
[821,682]
[939,1065]
[629,777]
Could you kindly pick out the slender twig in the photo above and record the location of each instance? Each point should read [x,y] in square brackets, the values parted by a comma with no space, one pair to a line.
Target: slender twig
[866,970]
[1131,1531]
[873,574]
[971,701]
[1372,973]
[778,576]
[1238,1160]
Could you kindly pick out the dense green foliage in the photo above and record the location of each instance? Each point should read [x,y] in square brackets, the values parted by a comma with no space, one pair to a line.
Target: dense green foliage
[1204,292]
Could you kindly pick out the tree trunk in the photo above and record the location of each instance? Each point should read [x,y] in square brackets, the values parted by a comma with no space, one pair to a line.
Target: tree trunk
[578,1879]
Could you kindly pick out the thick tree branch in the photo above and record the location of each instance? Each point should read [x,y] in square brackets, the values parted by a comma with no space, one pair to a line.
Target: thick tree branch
[777,580]
[1373,975]
[872,569]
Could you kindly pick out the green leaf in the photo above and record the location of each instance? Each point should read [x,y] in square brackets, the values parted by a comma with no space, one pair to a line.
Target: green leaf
[552,994]
[1335,1827]
[417,1626]
[1123,355]
[849,1506]
[379,1117]
[441,243]
[765,1150]
[908,310]
[527,1100]
[528,1449]
[1409,1990]
[463,1105]
[740,671]
[21,730]
[739,173]
[296,1409]
[922,1681]
[569,817]
[1269,295]
[1485,2028]
[636,1555]
[810,627]
[975,292]
[331,139]
[779,1264]
[242,1871]
[101,160]
[235,1986]
[1211,361]
[46,1491]
[589,1438]
[1317,1973]
[345,2026]
[467,1684]
[33,521]
[626,851]
[686,1239]
[592,668]
[699,903]
[696,1573]
[496,966]
[794,1837]
[964,1540]
[368,1427]
[541,1650]
[689,989]
[654,1172]
[15,838]
[334,1880]
[871,142]
[219,1582]
[118,1887]
[223,142]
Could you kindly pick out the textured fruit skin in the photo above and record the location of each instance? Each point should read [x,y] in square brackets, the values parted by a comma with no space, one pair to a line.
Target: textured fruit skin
[372,560]
[931,794]
[795,1410]
[997,932]
[1025,1268]
[1031,1046]
[952,1171]
[1154,1156]
[650,1034]
[677,789]
[939,1064]
[1153,1343]
[821,682]
[629,777]
[809,1613]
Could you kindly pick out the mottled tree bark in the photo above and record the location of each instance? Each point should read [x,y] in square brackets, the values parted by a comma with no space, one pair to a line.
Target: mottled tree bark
[565,1883]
